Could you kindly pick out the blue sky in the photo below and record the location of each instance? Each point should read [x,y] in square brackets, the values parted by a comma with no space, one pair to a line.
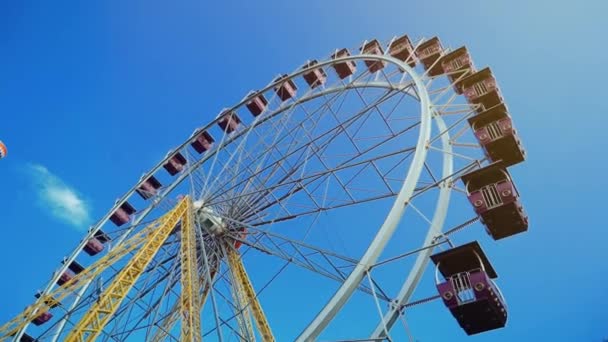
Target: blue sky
[92,95]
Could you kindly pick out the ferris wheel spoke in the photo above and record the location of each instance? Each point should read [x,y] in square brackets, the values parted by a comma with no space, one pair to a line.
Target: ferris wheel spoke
[343,166]
[286,114]
[150,313]
[85,297]
[135,308]
[330,134]
[352,140]
[321,261]
[309,180]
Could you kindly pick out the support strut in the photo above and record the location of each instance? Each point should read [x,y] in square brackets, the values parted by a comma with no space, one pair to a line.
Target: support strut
[93,322]
[241,277]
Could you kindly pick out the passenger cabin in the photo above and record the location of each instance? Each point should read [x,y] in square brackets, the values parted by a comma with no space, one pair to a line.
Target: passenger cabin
[315,77]
[175,164]
[202,142]
[229,121]
[494,130]
[402,49]
[429,53]
[50,302]
[344,69]
[149,187]
[457,65]
[481,88]
[123,214]
[95,244]
[468,290]
[373,47]
[102,236]
[75,267]
[93,247]
[26,338]
[285,90]
[257,105]
[65,277]
[42,318]
[495,198]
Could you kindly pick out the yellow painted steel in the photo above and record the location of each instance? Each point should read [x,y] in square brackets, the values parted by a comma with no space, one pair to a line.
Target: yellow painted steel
[93,322]
[190,309]
[242,308]
[168,322]
[238,269]
[73,285]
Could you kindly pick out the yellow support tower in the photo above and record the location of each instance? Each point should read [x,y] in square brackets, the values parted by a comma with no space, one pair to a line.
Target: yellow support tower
[72,286]
[238,269]
[93,322]
[242,307]
[168,322]
[190,309]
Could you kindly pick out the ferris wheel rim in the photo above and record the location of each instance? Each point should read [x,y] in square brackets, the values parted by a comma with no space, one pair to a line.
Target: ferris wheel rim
[441,209]
[183,175]
[383,235]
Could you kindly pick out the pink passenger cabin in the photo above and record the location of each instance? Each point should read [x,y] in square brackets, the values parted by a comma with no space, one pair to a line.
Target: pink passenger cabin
[429,53]
[96,244]
[402,49]
[457,65]
[202,142]
[373,47]
[494,197]
[123,214]
[175,164]
[481,88]
[76,267]
[26,338]
[257,105]
[285,90]
[468,290]
[316,76]
[344,69]
[65,277]
[229,121]
[494,130]
[93,247]
[148,188]
[42,318]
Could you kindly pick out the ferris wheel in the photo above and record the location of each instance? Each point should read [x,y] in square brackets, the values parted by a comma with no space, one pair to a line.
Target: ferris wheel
[279,218]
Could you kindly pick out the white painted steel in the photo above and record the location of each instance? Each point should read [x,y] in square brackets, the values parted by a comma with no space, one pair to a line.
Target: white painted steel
[434,231]
[384,234]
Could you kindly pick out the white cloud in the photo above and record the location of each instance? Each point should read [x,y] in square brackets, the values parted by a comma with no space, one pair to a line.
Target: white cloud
[62,201]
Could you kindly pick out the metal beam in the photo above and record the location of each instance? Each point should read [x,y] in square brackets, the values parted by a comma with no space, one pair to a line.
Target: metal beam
[238,269]
[94,321]
[190,302]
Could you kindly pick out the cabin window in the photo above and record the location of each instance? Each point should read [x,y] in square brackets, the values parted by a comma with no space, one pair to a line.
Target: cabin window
[457,63]
[462,286]
[480,88]
[494,131]
[491,196]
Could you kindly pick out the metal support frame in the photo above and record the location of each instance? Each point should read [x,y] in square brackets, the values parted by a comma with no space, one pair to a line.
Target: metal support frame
[387,229]
[190,302]
[422,260]
[93,322]
[380,240]
[242,281]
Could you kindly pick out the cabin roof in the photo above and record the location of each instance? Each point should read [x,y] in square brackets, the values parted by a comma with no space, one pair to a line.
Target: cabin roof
[490,174]
[462,259]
